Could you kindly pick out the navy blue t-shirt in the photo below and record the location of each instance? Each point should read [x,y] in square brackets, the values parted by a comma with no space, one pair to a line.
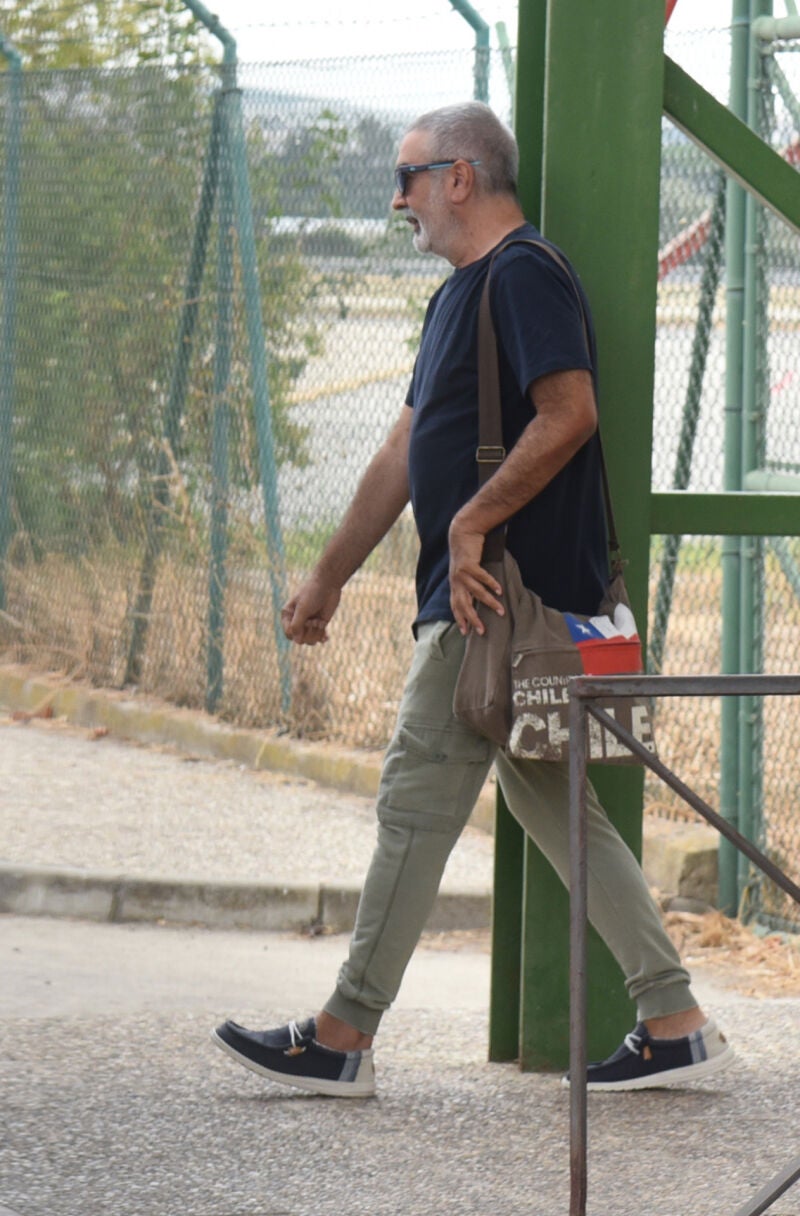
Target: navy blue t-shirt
[559,537]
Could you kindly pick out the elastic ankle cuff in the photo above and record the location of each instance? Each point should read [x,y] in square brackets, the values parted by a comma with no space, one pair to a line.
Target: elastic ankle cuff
[661,1002]
[358,1016]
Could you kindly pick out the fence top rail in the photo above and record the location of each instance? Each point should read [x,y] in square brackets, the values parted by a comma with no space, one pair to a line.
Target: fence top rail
[589,688]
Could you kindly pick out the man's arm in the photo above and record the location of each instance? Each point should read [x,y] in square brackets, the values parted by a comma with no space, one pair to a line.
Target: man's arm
[566,416]
[381,495]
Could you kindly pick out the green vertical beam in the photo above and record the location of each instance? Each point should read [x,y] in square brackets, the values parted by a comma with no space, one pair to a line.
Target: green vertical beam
[600,203]
[529,103]
[732,546]
[8,296]
[511,845]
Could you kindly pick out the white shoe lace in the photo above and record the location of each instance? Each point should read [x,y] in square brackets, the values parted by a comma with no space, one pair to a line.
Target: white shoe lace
[633,1042]
[294,1033]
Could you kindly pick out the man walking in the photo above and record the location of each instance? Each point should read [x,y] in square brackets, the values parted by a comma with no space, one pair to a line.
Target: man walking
[455,184]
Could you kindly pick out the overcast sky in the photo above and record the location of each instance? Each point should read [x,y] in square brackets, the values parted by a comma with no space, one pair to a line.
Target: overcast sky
[316,28]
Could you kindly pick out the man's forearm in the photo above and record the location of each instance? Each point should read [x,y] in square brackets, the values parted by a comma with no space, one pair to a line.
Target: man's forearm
[547,444]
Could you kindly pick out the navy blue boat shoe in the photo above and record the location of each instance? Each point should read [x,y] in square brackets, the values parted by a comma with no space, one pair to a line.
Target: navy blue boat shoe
[642,1062]
[291,1055]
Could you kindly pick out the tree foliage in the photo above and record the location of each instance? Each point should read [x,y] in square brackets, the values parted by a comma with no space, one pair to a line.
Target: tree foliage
[112,163]
[103,33]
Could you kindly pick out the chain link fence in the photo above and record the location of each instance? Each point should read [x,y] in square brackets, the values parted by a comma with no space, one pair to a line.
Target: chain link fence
[169,489]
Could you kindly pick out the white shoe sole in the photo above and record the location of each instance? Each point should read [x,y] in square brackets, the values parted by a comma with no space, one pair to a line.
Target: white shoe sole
[313,1085]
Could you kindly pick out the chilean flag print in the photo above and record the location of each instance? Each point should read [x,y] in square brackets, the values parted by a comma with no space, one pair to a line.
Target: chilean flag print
[607,647]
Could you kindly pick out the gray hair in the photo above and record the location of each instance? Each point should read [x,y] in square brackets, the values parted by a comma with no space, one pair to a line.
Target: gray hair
[472,131]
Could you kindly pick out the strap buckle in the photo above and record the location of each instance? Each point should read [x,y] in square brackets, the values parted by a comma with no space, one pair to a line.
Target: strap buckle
[490,454]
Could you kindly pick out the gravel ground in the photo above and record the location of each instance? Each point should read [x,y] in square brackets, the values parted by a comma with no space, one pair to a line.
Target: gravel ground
[73,800]
[114,1100]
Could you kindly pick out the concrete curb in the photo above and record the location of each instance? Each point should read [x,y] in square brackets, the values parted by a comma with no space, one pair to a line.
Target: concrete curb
[118,898]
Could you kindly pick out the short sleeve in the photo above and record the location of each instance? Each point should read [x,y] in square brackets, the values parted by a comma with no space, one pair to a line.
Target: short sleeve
[537,316]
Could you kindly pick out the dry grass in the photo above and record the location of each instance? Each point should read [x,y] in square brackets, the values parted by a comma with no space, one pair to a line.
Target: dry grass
[754,965]
[75,618]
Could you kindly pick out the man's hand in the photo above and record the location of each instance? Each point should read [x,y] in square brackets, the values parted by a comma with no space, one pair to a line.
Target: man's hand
[306,617]
[469,582]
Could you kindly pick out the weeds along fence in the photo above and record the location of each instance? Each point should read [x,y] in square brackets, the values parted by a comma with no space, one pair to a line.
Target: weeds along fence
[170,485]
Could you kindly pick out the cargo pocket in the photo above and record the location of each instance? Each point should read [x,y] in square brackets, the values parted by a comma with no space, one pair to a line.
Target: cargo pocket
[432,776]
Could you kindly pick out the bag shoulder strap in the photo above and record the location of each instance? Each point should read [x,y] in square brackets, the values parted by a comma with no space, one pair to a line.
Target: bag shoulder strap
[491,452]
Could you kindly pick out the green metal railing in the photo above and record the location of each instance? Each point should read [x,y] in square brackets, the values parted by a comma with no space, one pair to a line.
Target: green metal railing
[586,695]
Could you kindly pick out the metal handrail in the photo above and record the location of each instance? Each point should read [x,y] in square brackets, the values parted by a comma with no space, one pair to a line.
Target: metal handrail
[584,691]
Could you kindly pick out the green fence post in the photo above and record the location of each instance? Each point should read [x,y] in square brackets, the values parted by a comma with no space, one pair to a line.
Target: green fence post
[509,67]
[263,418]
[8,319]
[221,419]
[731,546]
[243,215]
[753,406]
[481,28]
[154,538]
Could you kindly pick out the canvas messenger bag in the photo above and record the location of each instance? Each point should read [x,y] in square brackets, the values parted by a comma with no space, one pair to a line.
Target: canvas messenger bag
[513,686]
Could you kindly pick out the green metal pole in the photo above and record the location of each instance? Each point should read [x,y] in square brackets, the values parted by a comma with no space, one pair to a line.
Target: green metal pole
[156,516]
[243,212]
[217,578]
[263,417]
[512,848]
[753,401]
[691,415]
[600,202]
[8,321]
[509,66]
[481,28]
[735,233]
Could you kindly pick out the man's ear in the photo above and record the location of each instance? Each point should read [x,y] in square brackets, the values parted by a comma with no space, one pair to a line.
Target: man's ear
[462,181]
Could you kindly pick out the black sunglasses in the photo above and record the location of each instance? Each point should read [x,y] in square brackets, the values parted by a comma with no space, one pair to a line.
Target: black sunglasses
[403,172]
